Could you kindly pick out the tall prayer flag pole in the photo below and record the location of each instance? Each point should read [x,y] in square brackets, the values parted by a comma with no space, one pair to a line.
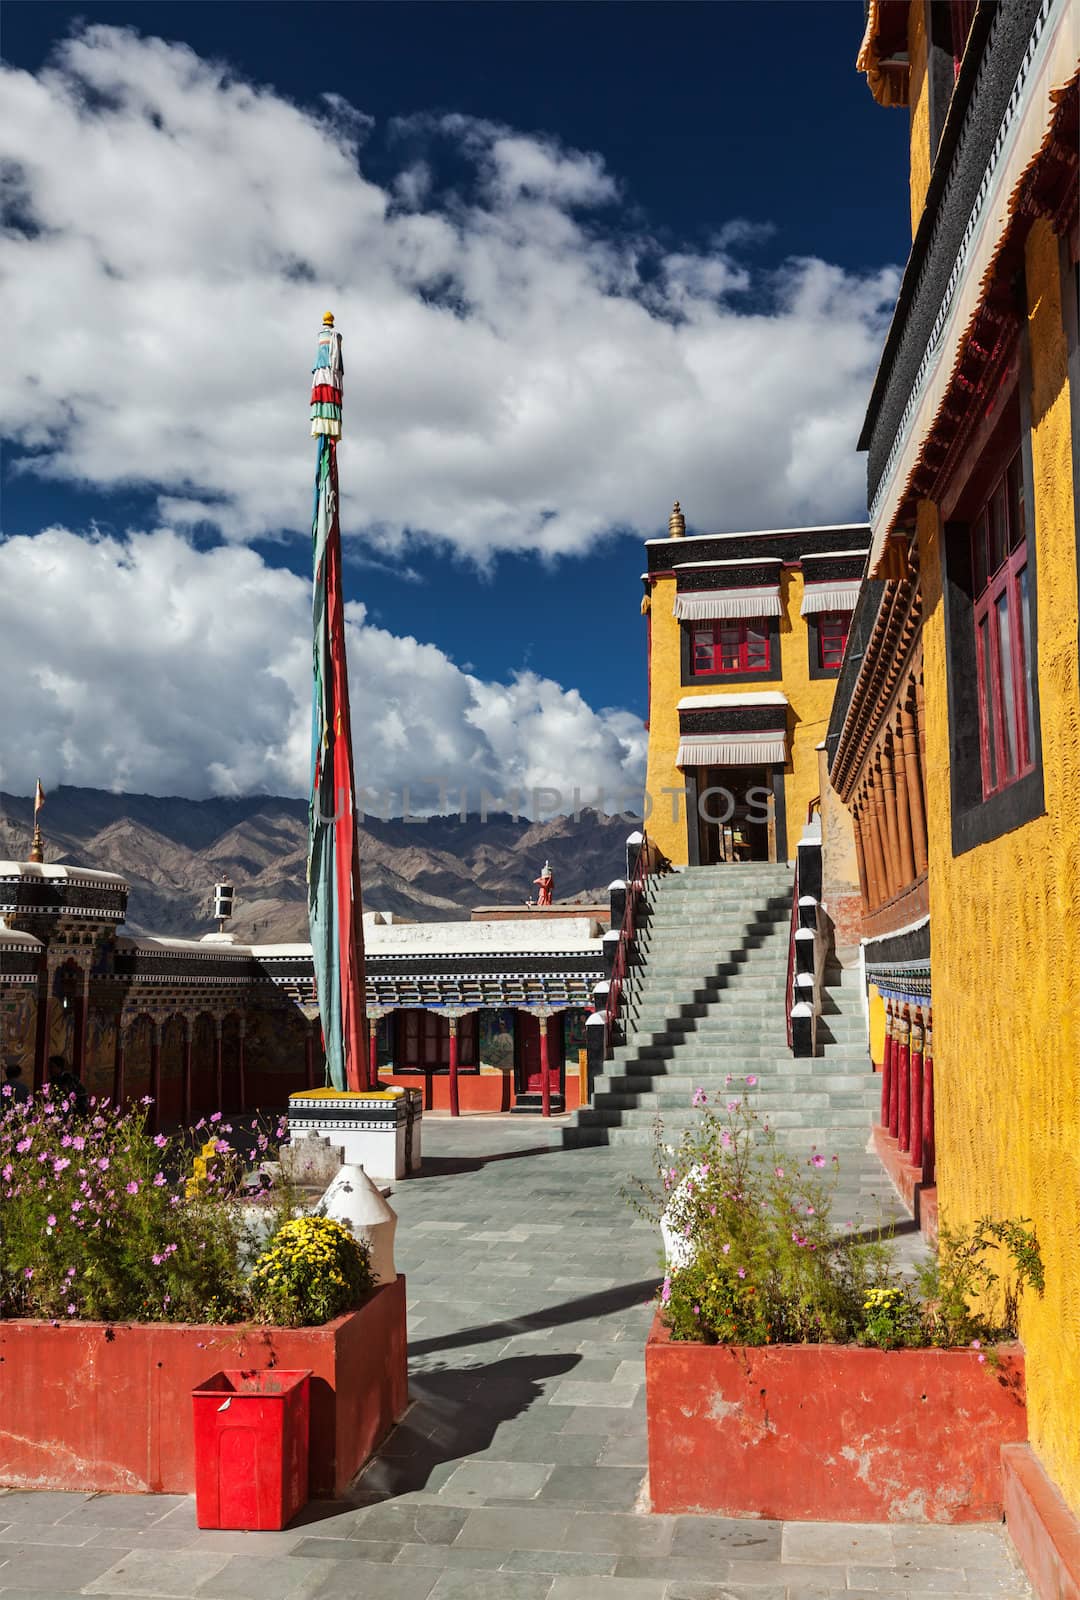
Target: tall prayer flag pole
[334,905]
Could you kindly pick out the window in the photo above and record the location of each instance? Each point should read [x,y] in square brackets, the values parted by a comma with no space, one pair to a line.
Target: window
[424,1041]
[1003,649]
[832,632]
[730,645]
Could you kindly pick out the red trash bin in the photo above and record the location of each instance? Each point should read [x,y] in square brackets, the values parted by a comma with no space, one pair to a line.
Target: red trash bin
[251,1448]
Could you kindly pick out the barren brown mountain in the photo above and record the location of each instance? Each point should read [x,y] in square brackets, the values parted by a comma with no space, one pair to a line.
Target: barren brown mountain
[172,850]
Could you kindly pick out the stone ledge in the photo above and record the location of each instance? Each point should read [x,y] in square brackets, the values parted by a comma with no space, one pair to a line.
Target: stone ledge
[1045,1533]
[920,1198]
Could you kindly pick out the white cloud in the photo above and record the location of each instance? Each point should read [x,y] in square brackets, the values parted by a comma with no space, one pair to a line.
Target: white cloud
[523,369]
[147,665]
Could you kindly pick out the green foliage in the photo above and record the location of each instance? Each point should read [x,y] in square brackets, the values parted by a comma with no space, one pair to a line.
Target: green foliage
[312,1272]
[760,1260]
[103,1220]
[967,1297]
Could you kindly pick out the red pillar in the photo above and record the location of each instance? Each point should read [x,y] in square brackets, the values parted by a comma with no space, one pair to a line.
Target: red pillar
[917,1089]
[904,1075]
[118,1065]
[155,1074]
[240,1064]
[309,1057]
[219,1067]
[187,1072]
[455,1109]
[545,1080]
[929,1145]
[886,1066]
[894,1075]
[373,1053]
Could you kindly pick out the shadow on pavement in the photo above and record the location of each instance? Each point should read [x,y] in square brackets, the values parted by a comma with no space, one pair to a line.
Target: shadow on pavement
[583,1309]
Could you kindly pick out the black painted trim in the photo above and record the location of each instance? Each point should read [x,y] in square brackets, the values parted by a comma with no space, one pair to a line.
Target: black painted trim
[977,821]
[780,811]
[751,575]
[893,948]
[693,837]
[690,680]
[927,273]
[735,719]
[792,545]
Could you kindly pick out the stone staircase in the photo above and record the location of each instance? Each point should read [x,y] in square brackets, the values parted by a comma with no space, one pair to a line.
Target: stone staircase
[706,998]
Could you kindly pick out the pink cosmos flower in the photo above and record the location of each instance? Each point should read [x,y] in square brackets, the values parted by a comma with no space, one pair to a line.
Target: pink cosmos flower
[50,1222]
[24,1144]
[751,1080]
[71,1310]
[147,1100]
[817,1161]
[215,1116]
[76,1205]
[779,1172]
[733,1105]
[742,1272]
[665,1292]
[59,1164]
[28,1272]
[78,1142]
[160,1140]
[132,1187]
[159,1180]
[103,1164]
[700,1097]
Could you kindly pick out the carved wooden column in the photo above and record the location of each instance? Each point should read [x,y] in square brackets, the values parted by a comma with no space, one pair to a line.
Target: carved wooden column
[155,1073]
[903,816]
[860,858]
[241,1065]
[545,1079]
[877,824]
[888,807]
[909,744]
[188,1040]
[118,1064]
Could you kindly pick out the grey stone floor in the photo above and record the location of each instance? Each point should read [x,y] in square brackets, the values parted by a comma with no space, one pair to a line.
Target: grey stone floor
[517,1473]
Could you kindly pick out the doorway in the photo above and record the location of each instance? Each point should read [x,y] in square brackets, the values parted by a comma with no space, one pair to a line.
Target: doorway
[734,814]
[527,1075]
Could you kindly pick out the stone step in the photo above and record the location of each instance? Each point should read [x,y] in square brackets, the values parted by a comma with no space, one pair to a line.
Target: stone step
[767,1085]
[798,1141]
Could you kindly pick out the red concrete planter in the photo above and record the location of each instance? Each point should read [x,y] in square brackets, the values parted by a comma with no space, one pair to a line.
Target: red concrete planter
[824,1433]
[107,1407]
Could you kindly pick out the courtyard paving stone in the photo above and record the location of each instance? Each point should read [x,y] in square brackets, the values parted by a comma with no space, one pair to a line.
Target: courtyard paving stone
[518,1472]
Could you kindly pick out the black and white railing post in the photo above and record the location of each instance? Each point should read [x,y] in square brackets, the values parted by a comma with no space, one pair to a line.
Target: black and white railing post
[807,959]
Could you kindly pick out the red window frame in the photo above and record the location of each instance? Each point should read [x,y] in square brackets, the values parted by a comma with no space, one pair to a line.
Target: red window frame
[730,645]
[1001,614]
[833,628]
[423,1039]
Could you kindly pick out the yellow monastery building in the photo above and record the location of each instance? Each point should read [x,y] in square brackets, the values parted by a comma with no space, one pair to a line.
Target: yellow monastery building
[955,739]
[746,635]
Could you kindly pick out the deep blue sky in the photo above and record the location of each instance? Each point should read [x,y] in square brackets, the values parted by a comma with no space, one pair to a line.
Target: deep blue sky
[702,112]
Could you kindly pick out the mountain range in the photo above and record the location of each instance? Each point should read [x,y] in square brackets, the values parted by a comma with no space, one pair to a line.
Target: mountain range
[172,850]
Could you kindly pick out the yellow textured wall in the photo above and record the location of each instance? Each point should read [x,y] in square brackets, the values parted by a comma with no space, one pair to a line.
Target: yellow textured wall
[919,103]
[811,701]
[1006,932]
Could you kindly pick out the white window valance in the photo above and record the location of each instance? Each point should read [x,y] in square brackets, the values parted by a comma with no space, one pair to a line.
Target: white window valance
[839,595]
[743,749]
[703,605]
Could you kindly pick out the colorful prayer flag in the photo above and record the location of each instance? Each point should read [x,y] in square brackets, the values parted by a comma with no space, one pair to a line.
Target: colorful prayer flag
[334,904]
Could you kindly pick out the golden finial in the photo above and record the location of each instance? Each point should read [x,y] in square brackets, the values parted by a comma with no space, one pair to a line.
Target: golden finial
[328,319]
[676,523]
[37,846]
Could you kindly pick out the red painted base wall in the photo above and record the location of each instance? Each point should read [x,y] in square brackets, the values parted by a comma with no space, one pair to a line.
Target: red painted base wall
[829,1433]
[1043,1529]
[108,1408]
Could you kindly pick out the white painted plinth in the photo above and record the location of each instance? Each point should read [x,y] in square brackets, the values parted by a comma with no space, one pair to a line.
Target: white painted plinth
[379,1132]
